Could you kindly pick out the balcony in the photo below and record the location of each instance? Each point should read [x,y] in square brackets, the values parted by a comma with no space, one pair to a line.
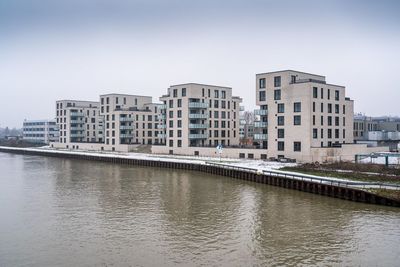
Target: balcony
[77,135]
[261,112]
[75,128]
[126,136]
[198,136]
[126,127]
[126,119]
[162,117]
[260,124]
[198,126]
[198,105]
[161,126]
[260,136]
[198,116]
[76,121]
[161,135]
[163,106]
[77,114]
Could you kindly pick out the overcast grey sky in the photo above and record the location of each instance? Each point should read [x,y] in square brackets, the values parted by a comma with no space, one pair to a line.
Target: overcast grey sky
[78,49]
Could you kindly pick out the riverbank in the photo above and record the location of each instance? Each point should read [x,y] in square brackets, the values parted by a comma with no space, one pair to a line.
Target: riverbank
[255,171]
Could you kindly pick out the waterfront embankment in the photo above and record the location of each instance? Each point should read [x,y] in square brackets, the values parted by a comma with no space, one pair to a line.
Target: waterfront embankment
[332,187]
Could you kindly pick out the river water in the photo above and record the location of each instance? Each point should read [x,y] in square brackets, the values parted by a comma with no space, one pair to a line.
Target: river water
[62,212]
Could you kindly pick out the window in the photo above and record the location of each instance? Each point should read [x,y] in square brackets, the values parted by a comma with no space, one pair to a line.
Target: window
[344,133]
[277,94]
[344,121]
[297,146]
[277,81]
[281,133]
[329,93]
[322,93]
[322,120]
[216,103]
[216,93]
[337,108]
[171,143]
[171,103]
[281,120]
[179,123]
[179,103]
[262,96]
[329,120]
[281,146]
[329,133]
[297,107]
[336,94]
[313,106]
[293,79]
[297,120]
[315,92]
[175,92]
[179,143]
[281,108]
[223,94]
[322,107]
[322,133]
[313,120]
[315,133]
[344,109]
[261,83]
[183,91]
[336,133]
[336,121]
[179,113]
[329,108]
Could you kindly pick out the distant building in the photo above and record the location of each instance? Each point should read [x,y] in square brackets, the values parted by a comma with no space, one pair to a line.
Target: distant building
[40,131]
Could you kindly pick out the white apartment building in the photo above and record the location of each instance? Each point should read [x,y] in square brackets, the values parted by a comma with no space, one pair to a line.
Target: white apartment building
[40,131]
[79,121]
[199,115]
[301,112]
[130,119]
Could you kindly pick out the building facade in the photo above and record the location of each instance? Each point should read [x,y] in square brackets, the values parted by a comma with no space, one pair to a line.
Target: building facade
[199,115]
[300,111]
[40,131]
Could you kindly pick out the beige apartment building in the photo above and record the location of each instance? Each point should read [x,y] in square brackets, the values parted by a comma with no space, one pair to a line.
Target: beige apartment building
[198,115]
[79,122]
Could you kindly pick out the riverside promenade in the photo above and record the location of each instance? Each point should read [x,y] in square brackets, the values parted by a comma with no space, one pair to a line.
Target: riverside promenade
[251,170]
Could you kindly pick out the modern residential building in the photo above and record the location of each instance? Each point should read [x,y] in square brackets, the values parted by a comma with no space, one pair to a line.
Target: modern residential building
[199,115]
[79,122]
[362,126]
[40,131]
[130,119]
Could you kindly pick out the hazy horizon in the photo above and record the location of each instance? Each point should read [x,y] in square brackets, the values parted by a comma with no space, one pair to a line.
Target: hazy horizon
[52,50]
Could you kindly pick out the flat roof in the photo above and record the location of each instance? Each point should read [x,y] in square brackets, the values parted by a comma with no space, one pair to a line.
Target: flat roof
[202,84]
[292,71]
[78,101]
[125,95]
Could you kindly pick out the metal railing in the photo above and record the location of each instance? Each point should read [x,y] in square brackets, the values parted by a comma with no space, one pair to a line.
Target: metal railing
[309,178]
[261,112]
[198,105]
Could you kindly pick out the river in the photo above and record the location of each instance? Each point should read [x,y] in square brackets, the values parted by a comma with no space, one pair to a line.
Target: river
[63,212]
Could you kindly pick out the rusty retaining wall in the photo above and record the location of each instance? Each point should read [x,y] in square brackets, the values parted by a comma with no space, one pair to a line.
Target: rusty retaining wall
[346,193]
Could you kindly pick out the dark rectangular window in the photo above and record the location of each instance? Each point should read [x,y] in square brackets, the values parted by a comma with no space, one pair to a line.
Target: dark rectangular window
[344,109]
[329,93]
[329,120]
[281,146]
[336,94]
[322,120]
[336,121]
[315,92]
[329,108]
[297,120]
[322,107]
[281,120]
[313,120]
[262,83]
[262,95]
[313,106]
[277,94]
[183,91]
[315,133]
[336,133]
[281,133]
[329,133]
[297,107]
[277,81]
[337,108]
[281,108]
[322,133]
[322,93]
[296,146]
[175,92]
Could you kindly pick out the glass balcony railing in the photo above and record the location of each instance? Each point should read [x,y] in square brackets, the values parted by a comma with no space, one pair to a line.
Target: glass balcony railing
[260,124]
[198,116]
[126,135]
[126,127]
[126,119]
[76,121]
[261,112]
[161,135]
[198,105]
[77,114]
[198,136]
[198,126]
[77,128]
[161,126]
[163,106]
[77,135]
[260,136]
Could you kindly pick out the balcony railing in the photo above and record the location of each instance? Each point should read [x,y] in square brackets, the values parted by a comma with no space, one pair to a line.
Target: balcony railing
[76,121]
[163,106]
[126,127]
[161,126]
[161,135]
[260,136]
[77,114]
[162,117]
[260,124]
[198,116]
[126,135]
[198,105]
[126,119]
[77,135]
[198,126]
[261,112]
[198,136]
[77,128]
